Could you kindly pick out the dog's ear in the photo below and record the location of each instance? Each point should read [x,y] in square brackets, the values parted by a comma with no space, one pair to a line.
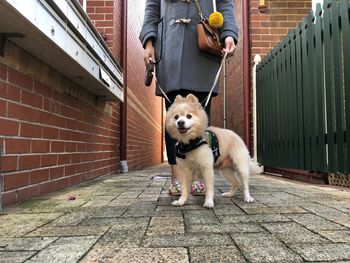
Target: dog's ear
[179,99]
[191,98]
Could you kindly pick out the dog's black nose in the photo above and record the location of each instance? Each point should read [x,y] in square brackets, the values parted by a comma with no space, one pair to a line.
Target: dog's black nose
[181,124]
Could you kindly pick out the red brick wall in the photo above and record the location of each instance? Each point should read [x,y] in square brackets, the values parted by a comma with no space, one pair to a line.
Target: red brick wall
[144,129]
[269,28]
[50,139]
[144,108]
[54,134]
[234,86]
[107,17]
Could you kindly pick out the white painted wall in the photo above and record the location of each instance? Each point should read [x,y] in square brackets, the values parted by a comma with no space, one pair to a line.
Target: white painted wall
[314,2]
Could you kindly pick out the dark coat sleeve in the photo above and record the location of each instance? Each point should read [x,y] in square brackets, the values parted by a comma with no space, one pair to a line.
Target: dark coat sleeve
[150,22]
[229,27]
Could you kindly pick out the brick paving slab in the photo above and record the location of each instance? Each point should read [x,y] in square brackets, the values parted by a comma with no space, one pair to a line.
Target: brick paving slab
[122,202]
[216,254]
[165,213]
[274,210]
[71,219]
[290,232]
[120,221]
[342,219]
[225,228]
[166,226]
[177,208]
[65,249]
[129,218]
[101,252]
[187,240]
[338,236]
[262,247]
[68,231]
[124,235]
[17,225]
[323,252]
[15,256]
[140,209]
[203,217]
[228,209]
[141,255]
[25,244]
[229,219]
[314,222]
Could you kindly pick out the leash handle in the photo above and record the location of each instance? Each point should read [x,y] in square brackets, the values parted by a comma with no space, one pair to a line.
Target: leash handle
[216,79]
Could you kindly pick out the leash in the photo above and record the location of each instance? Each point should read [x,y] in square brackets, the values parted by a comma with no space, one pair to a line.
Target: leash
[223,60]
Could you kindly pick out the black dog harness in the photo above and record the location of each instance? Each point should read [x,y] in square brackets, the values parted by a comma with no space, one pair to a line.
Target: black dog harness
[181,149]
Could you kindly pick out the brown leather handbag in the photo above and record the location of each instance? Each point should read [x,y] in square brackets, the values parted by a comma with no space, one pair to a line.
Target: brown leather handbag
[208,38]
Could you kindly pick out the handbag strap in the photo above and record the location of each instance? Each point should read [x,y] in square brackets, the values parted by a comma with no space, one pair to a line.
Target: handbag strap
[200,13]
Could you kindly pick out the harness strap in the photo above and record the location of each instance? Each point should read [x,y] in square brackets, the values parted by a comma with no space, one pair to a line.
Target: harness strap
[213,144]
[181,149]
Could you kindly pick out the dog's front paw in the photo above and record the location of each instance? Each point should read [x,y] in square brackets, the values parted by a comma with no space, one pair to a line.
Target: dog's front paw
[248,199]
[178,203]
[208,204]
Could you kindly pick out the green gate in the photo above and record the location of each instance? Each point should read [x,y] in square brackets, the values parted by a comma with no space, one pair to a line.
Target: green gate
[303,95]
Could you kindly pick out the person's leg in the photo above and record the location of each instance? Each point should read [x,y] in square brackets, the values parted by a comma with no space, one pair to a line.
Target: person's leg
[170,150]
[197,185]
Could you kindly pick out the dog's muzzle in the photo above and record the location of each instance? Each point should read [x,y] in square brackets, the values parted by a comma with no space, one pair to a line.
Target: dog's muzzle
[181,126]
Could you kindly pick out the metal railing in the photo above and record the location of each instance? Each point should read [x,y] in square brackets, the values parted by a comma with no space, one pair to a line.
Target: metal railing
[303,95]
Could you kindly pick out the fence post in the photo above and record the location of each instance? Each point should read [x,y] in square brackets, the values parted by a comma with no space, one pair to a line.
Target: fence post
[257,60]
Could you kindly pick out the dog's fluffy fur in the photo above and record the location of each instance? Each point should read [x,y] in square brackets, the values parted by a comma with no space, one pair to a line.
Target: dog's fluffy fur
[186,120]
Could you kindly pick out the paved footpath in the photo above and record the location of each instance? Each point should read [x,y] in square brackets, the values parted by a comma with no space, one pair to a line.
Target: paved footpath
[128,218]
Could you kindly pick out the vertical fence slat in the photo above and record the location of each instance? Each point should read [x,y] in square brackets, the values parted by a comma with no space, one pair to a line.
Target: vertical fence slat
[345,22]
[280,110]
[327,25]
[319,89]
[284,106]
[338,86]
[269,129]
[299,78]
[288,100]
[312,103]
[307,99]
[274,94]
[294,102]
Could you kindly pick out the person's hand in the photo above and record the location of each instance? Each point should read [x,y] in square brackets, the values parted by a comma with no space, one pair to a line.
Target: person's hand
[230,46]
[149,54]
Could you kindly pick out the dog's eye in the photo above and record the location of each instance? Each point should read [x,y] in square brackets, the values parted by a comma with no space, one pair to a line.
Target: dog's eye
[189,116]
[176,117]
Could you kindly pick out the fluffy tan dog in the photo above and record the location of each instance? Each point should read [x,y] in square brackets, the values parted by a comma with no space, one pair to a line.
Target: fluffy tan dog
[187,122]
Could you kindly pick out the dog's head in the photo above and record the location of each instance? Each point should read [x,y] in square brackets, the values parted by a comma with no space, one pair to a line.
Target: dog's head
[186,119]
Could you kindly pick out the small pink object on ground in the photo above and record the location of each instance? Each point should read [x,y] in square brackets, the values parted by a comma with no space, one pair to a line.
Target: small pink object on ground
[70,198]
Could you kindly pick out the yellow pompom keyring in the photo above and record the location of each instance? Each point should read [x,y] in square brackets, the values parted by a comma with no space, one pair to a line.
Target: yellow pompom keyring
[216,20]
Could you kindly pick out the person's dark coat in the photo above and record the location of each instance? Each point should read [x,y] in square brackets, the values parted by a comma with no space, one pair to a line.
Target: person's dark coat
[182,65]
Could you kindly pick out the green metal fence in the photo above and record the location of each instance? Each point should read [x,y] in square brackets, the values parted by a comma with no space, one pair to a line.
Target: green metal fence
[303,95]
